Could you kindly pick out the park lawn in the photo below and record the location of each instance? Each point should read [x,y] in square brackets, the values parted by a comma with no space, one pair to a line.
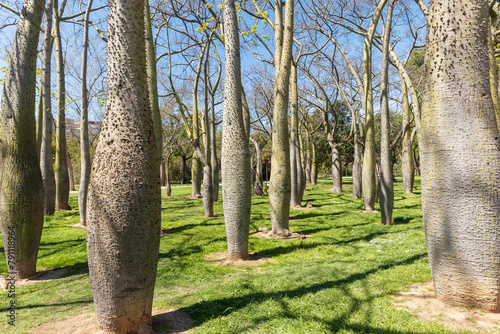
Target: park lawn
[340,280]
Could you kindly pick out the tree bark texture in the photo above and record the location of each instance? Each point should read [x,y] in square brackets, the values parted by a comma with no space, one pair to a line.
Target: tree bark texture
[386,193]
[168,187]
[162,174]
[153,80]
[407,163]
[295,161]
[459,149]
[61,166]
[21,185]
[314,163]
[235,153]
[85,163]
[336,169]
[369,158]
[124,203]
[259,183]
[279,190]
[70,172]
[357,169]
[46,164]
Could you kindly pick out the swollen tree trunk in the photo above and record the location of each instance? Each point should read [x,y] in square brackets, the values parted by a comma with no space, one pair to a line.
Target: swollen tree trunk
[295,161]
[459,153]
[259,183]
[235,153]
[336,169]
[61,166]
[124,201]
[407,164]
[84,126]
[369,159]
[46,164]
[21,185]
[386,192]
[279,190]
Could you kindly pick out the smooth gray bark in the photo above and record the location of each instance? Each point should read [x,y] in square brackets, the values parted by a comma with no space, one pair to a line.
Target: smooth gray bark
[386,193]
[61,166]
[84,125]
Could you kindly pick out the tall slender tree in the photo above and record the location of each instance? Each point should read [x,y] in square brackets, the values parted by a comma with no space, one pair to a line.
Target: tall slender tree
[369,159]
[235,153]
[279,190]
[123,215]
[386,192]
[84,125]
[61,166]
[46,164]
[21,185]
[459,148]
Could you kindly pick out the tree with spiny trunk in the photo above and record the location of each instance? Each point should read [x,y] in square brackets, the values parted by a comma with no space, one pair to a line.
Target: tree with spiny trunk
[21,185]
[259,183]
[369,158]
[235,162]
[386,193]
[124,204]
[61,166]
[459,147]
[280,188]
[46,164]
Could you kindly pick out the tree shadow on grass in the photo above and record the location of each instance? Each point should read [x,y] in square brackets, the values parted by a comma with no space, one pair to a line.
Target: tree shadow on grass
[211,309]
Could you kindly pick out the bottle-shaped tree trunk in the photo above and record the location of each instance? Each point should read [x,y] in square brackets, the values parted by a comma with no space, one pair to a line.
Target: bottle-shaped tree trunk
[259,183]
[235,153]
[124,203]
[21,185]
[459,148]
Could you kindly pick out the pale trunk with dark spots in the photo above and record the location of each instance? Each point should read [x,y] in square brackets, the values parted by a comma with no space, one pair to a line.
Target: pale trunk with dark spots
[460,150]
[124,204]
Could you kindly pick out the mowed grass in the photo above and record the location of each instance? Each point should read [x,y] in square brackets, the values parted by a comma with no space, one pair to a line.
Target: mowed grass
[340,280]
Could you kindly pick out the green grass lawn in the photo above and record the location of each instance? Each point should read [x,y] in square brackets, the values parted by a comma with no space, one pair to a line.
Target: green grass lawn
[338,281]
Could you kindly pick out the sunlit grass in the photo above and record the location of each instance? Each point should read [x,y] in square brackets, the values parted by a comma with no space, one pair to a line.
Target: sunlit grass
[338,281]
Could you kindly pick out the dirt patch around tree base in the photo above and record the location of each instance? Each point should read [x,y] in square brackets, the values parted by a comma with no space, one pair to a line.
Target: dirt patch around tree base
[42,276]
[164,322]
[220,259]
[264,233]
[421,300]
